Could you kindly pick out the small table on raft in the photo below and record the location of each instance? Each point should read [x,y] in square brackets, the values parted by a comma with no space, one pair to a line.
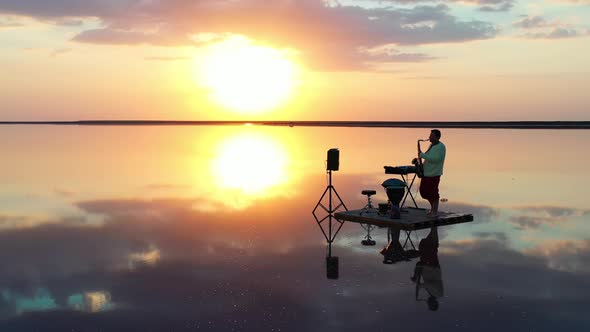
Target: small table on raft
[412,219]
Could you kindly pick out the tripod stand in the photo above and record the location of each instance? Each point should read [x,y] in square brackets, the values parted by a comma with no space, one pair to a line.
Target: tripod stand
[332,228]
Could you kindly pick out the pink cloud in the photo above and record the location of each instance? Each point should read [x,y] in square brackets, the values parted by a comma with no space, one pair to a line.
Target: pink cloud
[327,36]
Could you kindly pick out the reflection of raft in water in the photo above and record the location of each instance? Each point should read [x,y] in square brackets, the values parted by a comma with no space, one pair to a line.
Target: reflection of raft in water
[411,218]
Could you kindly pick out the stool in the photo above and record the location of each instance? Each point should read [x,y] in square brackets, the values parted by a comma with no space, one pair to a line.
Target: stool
[368,241]
[368,193]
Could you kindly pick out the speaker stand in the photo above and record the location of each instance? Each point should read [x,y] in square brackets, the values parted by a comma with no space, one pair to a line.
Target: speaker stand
[333,224]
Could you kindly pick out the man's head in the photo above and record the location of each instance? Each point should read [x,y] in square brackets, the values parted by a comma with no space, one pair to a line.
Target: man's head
[434,135]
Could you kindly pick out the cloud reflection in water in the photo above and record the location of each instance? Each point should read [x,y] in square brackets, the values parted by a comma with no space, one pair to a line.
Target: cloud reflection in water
[210,271]
[255,261]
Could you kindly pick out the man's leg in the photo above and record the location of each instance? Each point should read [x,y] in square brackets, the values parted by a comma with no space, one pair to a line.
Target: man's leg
[431,202]
[435,198]
[417,272]
[433,235]
[434,209]
[423,192]
[426,192]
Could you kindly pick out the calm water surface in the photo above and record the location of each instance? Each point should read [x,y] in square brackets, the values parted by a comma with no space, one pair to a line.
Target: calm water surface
[210,228]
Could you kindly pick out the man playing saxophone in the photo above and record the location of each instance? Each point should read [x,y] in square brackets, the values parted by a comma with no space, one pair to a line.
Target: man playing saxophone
[434,159]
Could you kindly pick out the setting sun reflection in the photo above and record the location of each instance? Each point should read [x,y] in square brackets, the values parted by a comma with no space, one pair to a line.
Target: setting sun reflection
[250,163]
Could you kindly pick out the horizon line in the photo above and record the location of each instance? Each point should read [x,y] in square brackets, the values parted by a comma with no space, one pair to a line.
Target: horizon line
[368,124]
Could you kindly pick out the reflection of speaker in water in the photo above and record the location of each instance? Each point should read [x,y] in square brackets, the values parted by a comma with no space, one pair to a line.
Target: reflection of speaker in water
[333,160]
[332,267]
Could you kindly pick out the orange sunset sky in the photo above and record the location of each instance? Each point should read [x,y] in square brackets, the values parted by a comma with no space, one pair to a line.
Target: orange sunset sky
[359,60]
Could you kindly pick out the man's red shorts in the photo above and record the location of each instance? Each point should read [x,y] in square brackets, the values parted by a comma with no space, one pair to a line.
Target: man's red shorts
[429,187]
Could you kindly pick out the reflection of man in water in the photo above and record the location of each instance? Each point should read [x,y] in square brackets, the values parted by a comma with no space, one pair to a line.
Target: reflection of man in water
[427,273]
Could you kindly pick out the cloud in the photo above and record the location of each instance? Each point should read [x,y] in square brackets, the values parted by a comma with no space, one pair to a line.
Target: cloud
[553,211]
[291,292]
[9,22]
[530,22]
[64,8]
[133,232]
[529,221]
[556,33]
[483,5]
[581,2]
[327,36]
[564,255]
[126,37]
[410,57]
[491,265]
[200,253]
[502,237]
[388,53]
[540,28]
[10,25]
[208,267]
[68,22]
[13,221]
[481,213]
[494,5]
[537,216]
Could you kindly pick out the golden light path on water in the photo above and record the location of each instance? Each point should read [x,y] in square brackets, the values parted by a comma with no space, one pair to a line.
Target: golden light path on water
[250,163]
[246,165]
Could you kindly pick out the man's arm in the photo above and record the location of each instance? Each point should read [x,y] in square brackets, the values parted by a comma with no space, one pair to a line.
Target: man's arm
[435,154]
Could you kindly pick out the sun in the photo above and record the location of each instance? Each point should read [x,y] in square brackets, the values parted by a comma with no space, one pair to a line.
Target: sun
[244,77]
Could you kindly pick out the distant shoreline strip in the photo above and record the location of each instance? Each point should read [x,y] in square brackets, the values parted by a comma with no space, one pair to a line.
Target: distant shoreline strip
[367,124]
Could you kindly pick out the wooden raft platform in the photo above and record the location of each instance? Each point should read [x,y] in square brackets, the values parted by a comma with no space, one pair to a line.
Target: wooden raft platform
[411,218]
